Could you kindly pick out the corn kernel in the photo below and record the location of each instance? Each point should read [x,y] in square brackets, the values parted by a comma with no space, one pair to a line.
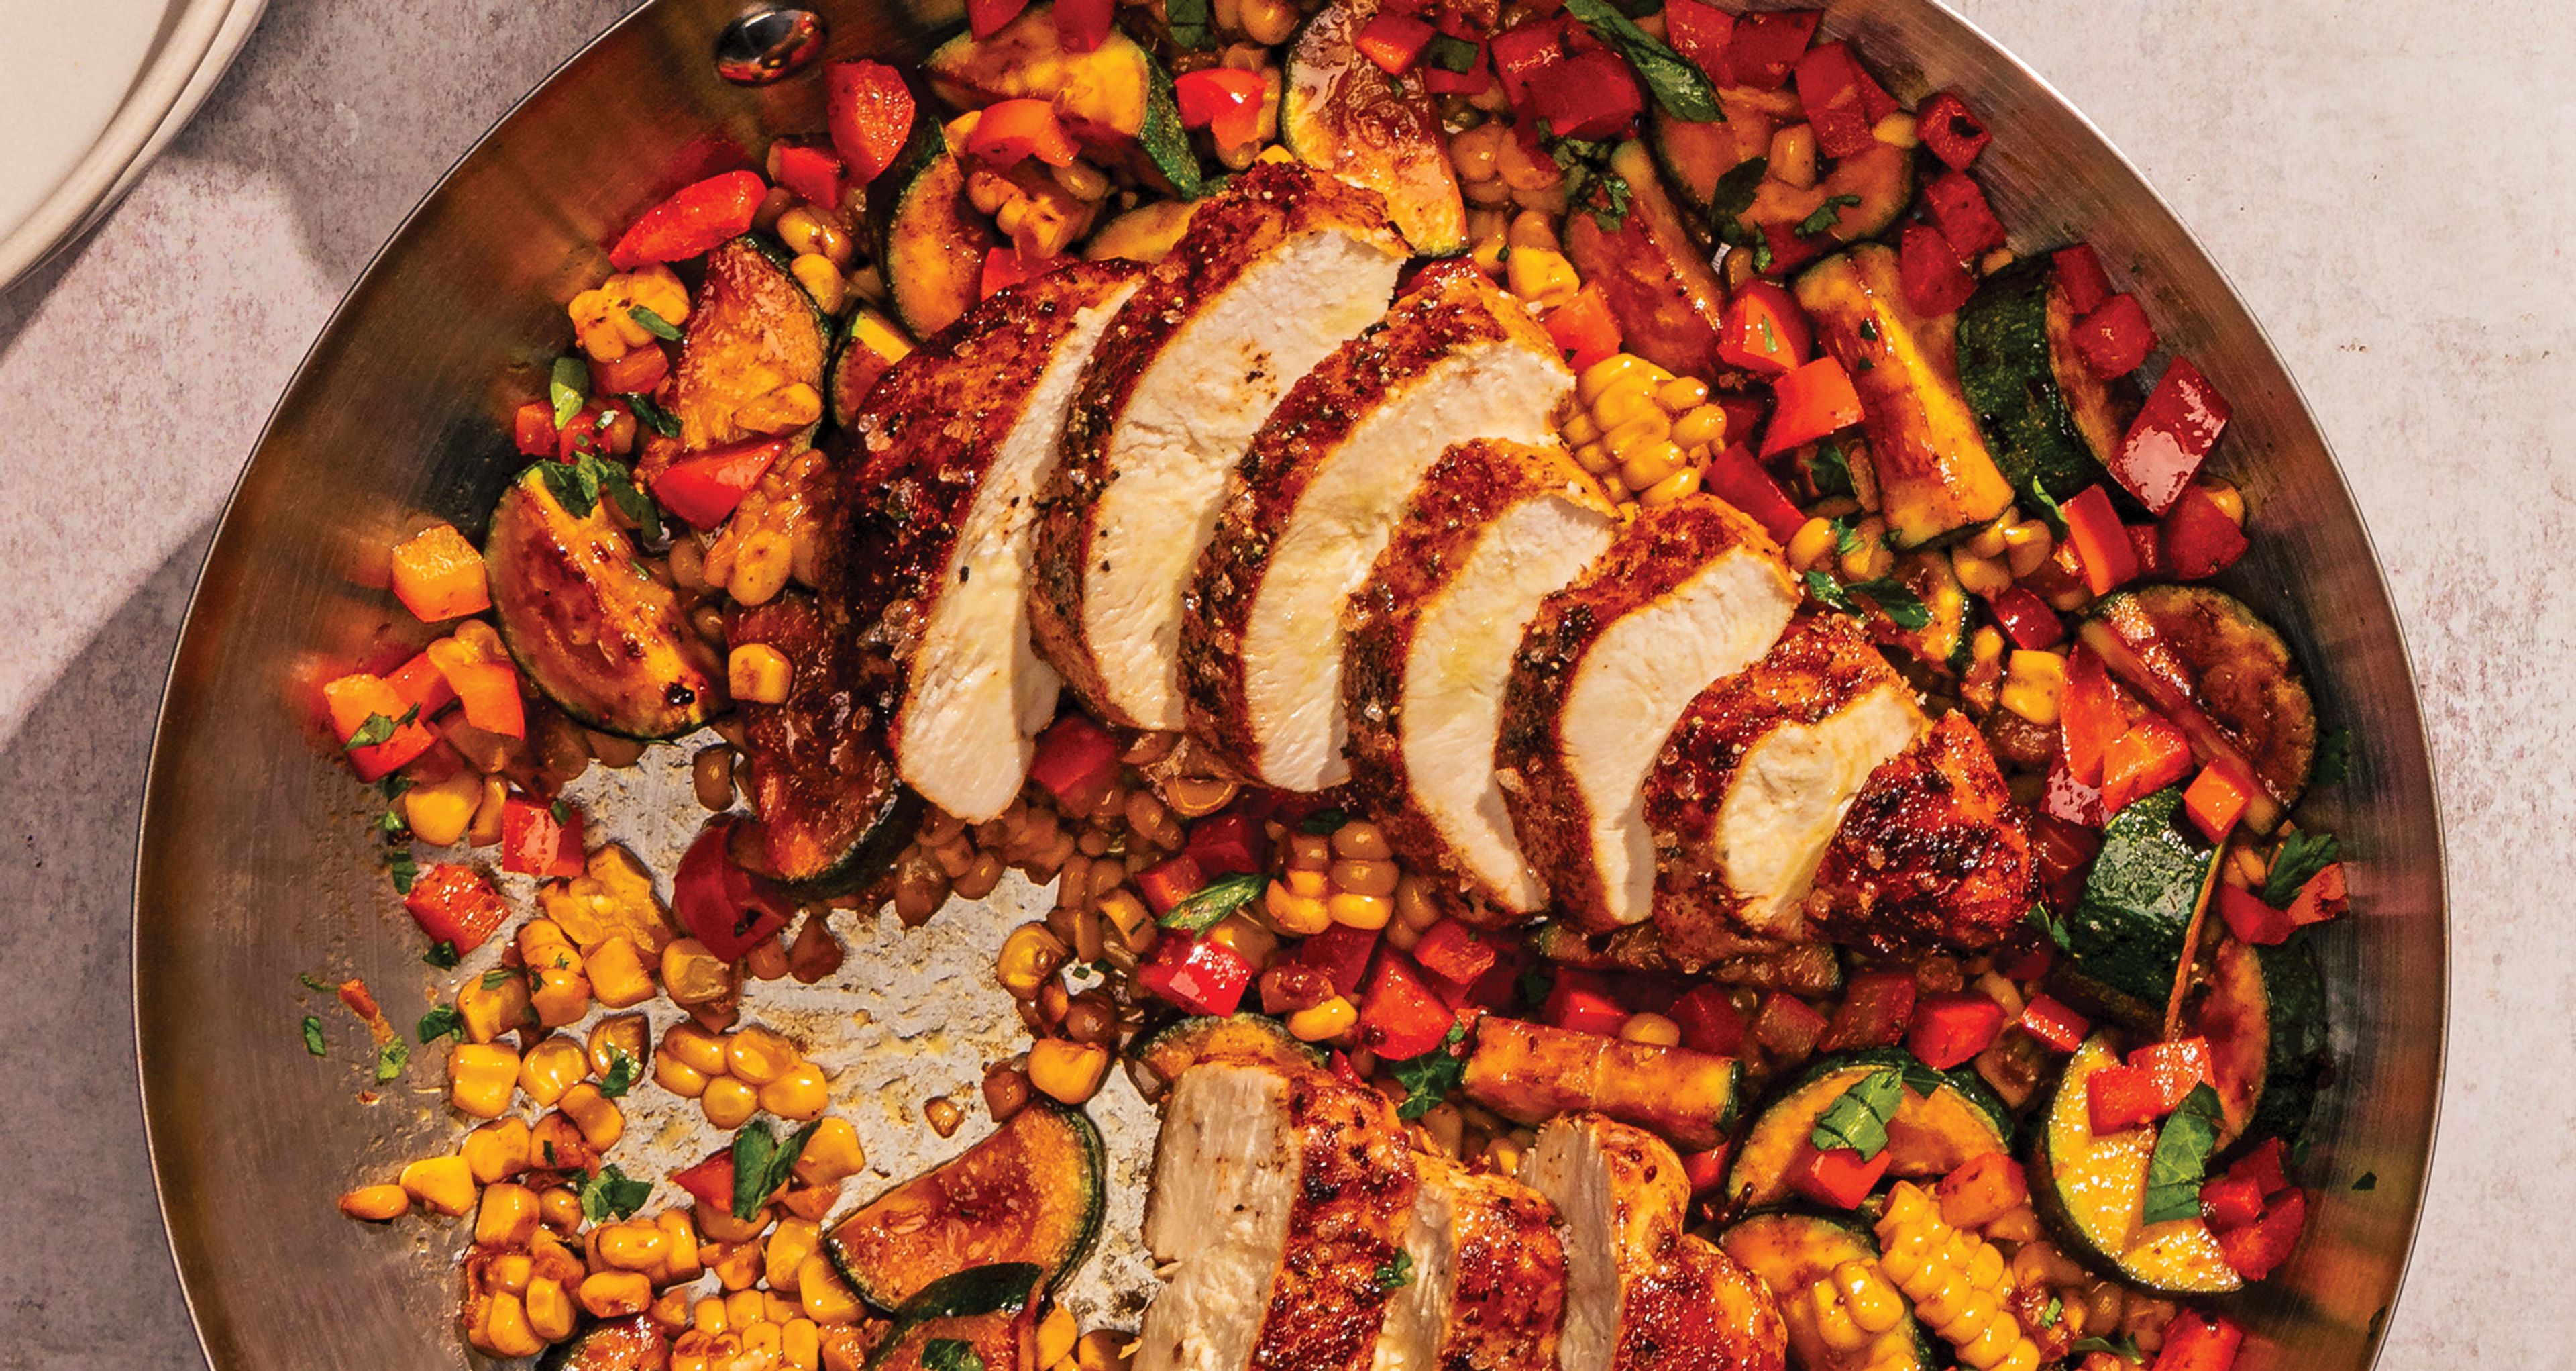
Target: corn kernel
[802,1094]
[1056,1334]
[696,1047]
[492,1005]
[376,1203]
[559,1207]
[439,813]
[633,1246]
[601,1122]
[1671,488]
[550,1311]
[1353,910]
[1651,1028]
[1067,1070]
[1305,881]
[758,673]
[801,1343]
[760,569]
[2033,682]
[508,1216]
[505,1329]
[727,1102]
[615,1294]
[822,1295]
[691,975]
[617,975]
[510,1273]
[1100,1350]
[1317,1023]
[551,1068]
[1598,378]
[1699,426]
[1541,277]
[789,1246]
[443,1184]
[821,279]
[481,1077]
[1029,958]
[1811,544]
[832,1155]
[757,1056]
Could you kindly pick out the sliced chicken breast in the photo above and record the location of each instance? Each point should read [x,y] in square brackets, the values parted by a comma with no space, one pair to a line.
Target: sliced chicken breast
[1275,272]
[1640,1295]
[1934,853]
[1280,1195]
[1754,780]
[1488,1286]
[1318,496]
[1493,529]
[1692,592]
[957,438]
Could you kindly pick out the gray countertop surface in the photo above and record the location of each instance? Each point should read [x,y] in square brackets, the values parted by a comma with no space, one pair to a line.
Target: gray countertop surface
[2387,183]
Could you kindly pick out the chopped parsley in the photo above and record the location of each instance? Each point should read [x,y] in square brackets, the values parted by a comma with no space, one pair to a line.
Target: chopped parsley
[400,865]
[1321,823]
[653,323]
[1590,185]
[761,1163]
[1535,985]
[1428,1079]
[612,1194]
[1892,598]
[1208,906]
[2050,512]
[376,728]
[1734,195]
[2302,855]
[391,1058]
[1677,86]
[2046,922]
[1826,216]
[1858,1117]
[441,954]
[2056,1310]
[2333,759]
[313,1037]
[650,414]
[1395,1274]
[566,387]
[2181,1159]
[313,982]
[496,978]
[1188,22]
[1450,54]
[438,1023]
[621,1074]
[1828,470]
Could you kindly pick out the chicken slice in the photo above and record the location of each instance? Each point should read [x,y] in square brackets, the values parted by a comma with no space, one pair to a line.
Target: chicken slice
[1274,274]
[1281,1196]
[957,439]
[1316,500]
[1641,1295]
[1493,529]
[1488,1270]
[1691,593]
[1934,852]
[1754,780]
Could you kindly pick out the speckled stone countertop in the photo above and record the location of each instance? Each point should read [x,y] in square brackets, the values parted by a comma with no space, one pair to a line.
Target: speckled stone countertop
[2387,184]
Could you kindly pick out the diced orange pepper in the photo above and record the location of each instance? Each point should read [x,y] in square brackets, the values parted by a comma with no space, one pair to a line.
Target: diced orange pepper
[488,690]
[633,372]
[2322,898]
[1009,130]
[354,699]
[2102,546]
[2215,800]
[1584,329]
[420,683]
[1813,400]
[2153,754]
[439,576]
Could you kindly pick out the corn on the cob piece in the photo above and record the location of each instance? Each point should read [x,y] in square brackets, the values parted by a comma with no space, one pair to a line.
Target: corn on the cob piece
[1855,1311]
[1644,431]
[1956,1281]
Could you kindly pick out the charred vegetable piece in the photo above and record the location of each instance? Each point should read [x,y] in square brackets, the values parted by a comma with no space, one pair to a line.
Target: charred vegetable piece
[587,626]
[2264,1014]
[929,241]
[1800,968]
[822,779]
[870,349]
[1341,113]
[629,1344]
[1115,100]
[986,1313]
[1931,1134]
[752,331]
[1030,1193]
[2092,1190]
[1144,234]
[1934,472]
[2126,934]
[2211,664]
[1667,300]
[1795,1253]
[1159,1059]
[2048,418]
[1531,1072]
[1867,190]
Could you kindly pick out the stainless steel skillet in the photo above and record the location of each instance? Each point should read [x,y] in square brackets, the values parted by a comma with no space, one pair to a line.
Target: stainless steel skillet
[256,861]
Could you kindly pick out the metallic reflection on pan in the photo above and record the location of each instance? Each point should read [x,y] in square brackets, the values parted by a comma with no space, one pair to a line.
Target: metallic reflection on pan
[257,862]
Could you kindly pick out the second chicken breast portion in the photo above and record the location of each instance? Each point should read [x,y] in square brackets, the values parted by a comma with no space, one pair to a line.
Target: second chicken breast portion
[1488,1277]
[1317,498]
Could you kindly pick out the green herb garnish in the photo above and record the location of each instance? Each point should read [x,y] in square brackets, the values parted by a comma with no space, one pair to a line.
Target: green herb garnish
[1321,823]
[1455,55]
[1188,22]
[2333,759]
[567,386]
[401,866]
[2045,505]
[440,1022]
[950,1354]
[1858,1117]
[2126,1347]
[1680,88]
[761,1163]
[313,1037]
[653,323]
[612,1194]
[1896,600]
[1206,907]
[441,954]
[496,978]
[1428,1078]
[1396,1274]
[376,728]
[621,1074]
[2302,855]
[2367,1181]
[2181,1159]
[1735,192]
[313,982]
[1826,216]
[1828,470]
[650,414]
[391,1058]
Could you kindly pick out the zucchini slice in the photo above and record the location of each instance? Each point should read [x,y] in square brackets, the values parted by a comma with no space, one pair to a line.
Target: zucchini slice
[1794,1252]
[1144,234]
[929,242]
[629,1344]
[586,625]
[869,350]
[2048,418]
[1799,968]
[1932,470]
[986,1312]
[2223,674]
[1695,157]
[1342,115]
[1659,285]
[2264,1014]
[1115,100]
[1930,1135]
[751,330]
[1532,1072]
[1156,1060]
[2093,1191]
[2126,933]
[834,812]
[1029,1193]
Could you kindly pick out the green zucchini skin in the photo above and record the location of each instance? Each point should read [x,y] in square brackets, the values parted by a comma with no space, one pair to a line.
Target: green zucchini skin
[628,1344]
[834,812]
[2082,1185]
[2264,1015]
[1789,1251]
[931,248]
[2126,932]
[752,329]
[1930,1137]
[1344,117]
[1157,1059]
[1031,1193]
[992,1309]
[2240,673]
[2048,420]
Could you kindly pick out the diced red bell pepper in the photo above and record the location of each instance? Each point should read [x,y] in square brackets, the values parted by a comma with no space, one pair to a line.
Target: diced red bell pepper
[2026,619]
[1583,328]
[710,1182]
[1829,87]
[2044,1018]
[1499,988]
[2171,437]
[1393,40]
[2118,1097]
[1699,32]
[1400,1016]
[1733,476]
[813,173]
[2153,754]
[2175,1067]
[2321,899]
[2116,338]
[696,219]
[2089,716]
[1342,953]
[1168,882]
[1588,95]
[1954,1027]
[1224,101]
[420,685]
[1525,52]
[1582,1002]
[1763,330]
[2215,800]
[634,372]
[351,700]
[2263,1164]
[1011,130]
[1076,760]
[2101,545]
[984,18]
[869,110]
[2199,539]
[1954,135]
[1201,975]
[2063,850]
[455,904]
[2147,544]
[723,906]
[1838,1178]
[1710,1021]
[2230,1201]
[2080,275]
[1930,273]
[1809,403]
[2199,1342]
[535,843]
[1005,267]
[1876,1007]
[1765,47]
[705,489]
[1958,205]
[1083,25]
[1451,950]
[2251,920]
[1786,1026]
[2071,801]
[1706,1170]
[2258,1248]
[1228,844]
[532,429]
[2030,962]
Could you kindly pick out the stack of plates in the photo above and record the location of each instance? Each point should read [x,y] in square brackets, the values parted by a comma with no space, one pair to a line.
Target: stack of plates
[89,95]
